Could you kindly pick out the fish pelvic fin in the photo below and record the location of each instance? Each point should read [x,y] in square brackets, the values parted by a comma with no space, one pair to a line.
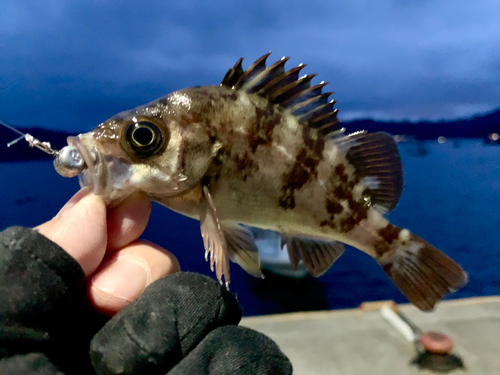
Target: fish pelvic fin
[241,248]
[318,256]
[224,241]
[307,103]
[421,272]
[214,240]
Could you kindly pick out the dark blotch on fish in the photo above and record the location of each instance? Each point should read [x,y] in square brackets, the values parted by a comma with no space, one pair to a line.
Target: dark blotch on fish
[340,173]
[390,233]
[381,247]
[333,207]
[246,165]
[261,133]
[303,170]
[343,186]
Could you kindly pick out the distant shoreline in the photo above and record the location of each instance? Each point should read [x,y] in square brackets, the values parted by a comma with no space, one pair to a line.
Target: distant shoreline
[480,126]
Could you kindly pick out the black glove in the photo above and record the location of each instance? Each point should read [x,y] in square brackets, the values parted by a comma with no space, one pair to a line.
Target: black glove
[182,324]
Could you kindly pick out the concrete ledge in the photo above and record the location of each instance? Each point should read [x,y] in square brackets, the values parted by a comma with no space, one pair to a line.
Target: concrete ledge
[360,341]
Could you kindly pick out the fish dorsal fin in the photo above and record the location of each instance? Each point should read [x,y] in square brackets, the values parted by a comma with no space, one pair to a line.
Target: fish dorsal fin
[233,75]
[308,103]
[375,156]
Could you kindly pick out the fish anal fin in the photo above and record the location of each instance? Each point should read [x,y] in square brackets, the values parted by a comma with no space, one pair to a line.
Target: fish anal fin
[423,273]
[214,241]
[318,256]
[375,157]
[241,248]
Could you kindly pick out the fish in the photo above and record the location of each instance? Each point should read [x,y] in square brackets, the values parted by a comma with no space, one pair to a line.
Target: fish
[265,149]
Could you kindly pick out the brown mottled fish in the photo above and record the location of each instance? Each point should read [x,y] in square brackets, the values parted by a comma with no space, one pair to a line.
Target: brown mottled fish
[264,149]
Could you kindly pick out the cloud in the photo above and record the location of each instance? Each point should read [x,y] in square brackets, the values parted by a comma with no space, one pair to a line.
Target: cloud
[72,64]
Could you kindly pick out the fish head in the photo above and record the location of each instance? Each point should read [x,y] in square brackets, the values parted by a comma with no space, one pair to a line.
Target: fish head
[162,148]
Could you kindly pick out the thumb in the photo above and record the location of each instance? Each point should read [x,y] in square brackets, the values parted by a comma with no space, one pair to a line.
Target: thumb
[80,229]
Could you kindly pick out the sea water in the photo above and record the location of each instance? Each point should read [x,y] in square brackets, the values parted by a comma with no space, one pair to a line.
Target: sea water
[451,197]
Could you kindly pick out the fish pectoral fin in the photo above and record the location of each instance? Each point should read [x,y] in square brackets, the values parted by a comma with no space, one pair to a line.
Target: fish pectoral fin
[375,156]
[318,256]
[241,248]
[423,273]
[216,247]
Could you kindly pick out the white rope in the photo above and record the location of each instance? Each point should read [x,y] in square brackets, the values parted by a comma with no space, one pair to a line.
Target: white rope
[398,323]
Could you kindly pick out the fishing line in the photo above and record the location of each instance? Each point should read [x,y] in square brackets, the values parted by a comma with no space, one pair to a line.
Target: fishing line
[32,141]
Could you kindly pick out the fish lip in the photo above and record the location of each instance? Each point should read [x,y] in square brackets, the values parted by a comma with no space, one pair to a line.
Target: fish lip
[108,176]
[94,175]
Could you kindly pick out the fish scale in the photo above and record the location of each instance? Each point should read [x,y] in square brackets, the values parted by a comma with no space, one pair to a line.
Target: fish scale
[265,149]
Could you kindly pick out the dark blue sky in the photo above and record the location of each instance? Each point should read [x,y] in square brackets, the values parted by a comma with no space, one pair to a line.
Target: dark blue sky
[68,64]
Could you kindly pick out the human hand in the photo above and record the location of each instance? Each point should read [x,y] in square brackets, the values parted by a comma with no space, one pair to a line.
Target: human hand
[105,243]
[182,324]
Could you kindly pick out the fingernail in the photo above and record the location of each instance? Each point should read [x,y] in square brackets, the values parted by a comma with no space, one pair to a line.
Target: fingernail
[124,279]
[74,200]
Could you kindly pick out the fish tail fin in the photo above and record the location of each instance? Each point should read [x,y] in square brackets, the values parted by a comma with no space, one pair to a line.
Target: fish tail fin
[423,273]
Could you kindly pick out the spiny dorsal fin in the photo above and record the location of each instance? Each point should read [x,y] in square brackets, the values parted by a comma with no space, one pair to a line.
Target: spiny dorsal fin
[375,156]
[233,75]
[308,103]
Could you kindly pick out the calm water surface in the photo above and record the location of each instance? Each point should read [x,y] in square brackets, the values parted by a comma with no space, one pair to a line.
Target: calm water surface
[451,198]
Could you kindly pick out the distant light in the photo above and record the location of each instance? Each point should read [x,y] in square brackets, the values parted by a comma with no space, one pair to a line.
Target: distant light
[494,136]
[441,139]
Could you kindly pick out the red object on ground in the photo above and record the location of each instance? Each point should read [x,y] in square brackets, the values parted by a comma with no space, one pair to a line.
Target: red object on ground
[436,342]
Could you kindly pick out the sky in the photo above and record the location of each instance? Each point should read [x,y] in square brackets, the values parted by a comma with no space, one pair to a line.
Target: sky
[70,64]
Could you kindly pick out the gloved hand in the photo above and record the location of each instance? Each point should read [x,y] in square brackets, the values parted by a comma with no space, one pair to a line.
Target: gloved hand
[181,324]
[184,324]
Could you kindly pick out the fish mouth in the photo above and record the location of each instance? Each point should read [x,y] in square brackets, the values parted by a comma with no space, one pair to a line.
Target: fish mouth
[105,175]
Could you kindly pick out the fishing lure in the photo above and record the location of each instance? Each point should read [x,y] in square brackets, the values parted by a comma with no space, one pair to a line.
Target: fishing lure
[68,162]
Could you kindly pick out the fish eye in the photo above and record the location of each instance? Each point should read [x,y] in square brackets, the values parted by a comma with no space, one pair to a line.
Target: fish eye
[144,138]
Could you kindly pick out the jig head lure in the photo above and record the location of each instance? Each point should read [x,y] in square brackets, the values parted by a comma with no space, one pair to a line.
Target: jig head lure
[68,161]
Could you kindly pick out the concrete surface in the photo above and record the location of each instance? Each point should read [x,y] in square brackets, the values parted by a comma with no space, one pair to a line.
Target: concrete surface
[352,342]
